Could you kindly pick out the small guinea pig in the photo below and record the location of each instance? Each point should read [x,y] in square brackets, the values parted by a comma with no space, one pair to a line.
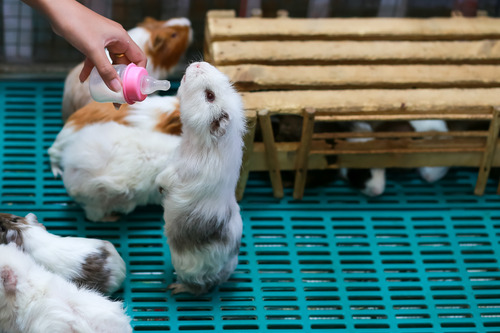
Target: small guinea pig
[34,300]
[202,218]
[431,174]
[370,182]
[163,42]
[109,159]
[91,263]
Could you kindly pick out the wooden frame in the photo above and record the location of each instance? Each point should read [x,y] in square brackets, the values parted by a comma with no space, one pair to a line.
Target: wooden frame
[332,70]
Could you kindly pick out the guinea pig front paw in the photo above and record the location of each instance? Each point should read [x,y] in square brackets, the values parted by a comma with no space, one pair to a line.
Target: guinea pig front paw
[56,170]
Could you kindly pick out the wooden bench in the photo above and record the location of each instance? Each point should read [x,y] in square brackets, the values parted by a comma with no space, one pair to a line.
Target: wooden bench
[369,69]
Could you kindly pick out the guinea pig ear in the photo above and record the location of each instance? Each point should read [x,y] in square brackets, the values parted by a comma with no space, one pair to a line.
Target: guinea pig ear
[219,125]
[33,220]
[9,280]
[158,42]
[13,236]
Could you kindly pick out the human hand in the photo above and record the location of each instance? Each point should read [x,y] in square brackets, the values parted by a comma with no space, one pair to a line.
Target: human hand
[91,33]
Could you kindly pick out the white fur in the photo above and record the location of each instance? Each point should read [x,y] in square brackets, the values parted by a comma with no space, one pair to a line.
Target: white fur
[66,256]
[375,186]
[202,174]
[431,174]
[110,168]
[34,300]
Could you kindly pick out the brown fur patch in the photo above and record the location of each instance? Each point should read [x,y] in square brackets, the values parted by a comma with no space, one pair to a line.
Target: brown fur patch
[94,275]
[168,44]
[14,224]
[98,113]
[170,123]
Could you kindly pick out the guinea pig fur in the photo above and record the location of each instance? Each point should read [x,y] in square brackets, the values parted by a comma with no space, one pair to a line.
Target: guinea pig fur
[92,263]
[202,218]
[163,42]
[370,182]
[34,300]
[109,159]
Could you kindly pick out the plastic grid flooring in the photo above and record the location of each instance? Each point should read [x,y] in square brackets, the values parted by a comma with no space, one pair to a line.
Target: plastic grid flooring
[422,258]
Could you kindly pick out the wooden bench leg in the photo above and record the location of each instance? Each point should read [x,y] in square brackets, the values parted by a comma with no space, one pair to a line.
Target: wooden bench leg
[489,152]
[303,153]
[271,153]
[248,140]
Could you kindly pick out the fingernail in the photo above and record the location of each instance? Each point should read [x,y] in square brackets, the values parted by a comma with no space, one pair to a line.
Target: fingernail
[115,85]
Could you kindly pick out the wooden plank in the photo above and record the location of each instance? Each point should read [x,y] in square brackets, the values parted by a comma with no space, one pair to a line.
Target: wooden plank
[489,151]
[241,29]
[273,164]
[303,153]
[347,102]
[251,117]
[287,155]
[354,52]
[430,134]
[261,77]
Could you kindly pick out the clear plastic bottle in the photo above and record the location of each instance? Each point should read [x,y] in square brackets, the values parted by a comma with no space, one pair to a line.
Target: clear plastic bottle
[136,85]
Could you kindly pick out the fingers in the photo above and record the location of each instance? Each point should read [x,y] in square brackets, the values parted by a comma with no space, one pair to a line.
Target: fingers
[106,70]
[87,68]
[126,49]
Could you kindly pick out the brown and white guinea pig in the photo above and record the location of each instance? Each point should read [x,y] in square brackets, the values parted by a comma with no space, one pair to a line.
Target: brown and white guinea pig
[109,159]
[35,300]
[202,218]
[92,263]
[163,42]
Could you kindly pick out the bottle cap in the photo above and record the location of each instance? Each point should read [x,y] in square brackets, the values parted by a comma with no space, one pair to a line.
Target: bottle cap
[131,82]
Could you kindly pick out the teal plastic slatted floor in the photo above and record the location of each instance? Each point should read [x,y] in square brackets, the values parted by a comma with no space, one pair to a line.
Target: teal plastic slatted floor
[421,258]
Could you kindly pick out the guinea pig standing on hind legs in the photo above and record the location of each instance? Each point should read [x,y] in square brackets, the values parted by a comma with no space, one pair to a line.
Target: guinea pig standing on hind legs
[202,218]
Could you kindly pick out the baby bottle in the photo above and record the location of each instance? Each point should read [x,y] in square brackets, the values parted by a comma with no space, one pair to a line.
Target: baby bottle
[136,85]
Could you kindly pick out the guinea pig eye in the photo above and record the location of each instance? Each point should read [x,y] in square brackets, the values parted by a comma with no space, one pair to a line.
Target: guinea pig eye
[160,189]
[173,35]
[209,95]
[2,228]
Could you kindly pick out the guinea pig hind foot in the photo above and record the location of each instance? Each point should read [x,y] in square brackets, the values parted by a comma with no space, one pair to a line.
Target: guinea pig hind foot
[178,288]
[111,218]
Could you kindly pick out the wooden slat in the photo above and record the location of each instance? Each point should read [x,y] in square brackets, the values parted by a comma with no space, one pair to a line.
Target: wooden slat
[489,151]
[353,29]
[287,154]
[404,146]
[303,153]
[251,117]
[429,134]
[439,101]
[347,52]
[273,164]
[263,77]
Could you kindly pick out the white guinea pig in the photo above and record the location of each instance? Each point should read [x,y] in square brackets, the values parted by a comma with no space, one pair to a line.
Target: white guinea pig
[163,42]
[92,263]
[34,300]
[109,159]
[202,218]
